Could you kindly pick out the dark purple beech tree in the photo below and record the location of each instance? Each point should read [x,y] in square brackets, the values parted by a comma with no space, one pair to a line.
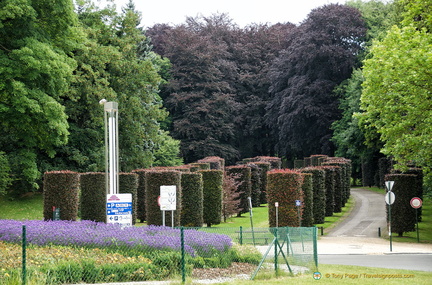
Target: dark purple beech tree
[199,95]
[321,53]
[253,50]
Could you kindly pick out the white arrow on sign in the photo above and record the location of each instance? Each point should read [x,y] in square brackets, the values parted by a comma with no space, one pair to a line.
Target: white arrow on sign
[390,198]
[389,185]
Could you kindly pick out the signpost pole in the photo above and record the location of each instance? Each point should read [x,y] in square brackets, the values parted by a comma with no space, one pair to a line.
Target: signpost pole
[390,200]
[416,203]
[390,233]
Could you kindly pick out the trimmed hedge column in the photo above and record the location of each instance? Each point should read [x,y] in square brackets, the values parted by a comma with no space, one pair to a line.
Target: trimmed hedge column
[154,180]
[93,196]
[307,187]
[330,174]
[265,167]
[61,190]
[255,184]
[141,190]
[402,214]
[319,193]
[284,187]
[241,174]
[192,200]
[212,189]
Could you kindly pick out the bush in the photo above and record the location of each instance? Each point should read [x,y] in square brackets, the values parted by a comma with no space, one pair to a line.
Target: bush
[256,174]
[192,200]
[212,193]
[93,196]
[403,215]
[330,173]
[141,193]
[284,187]
[61,190]
[215,162]
[242,175]
[319,193]
[154,180]
[307,187]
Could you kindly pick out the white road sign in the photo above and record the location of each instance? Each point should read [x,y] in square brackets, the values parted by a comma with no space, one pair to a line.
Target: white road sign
[168,198]
[119,209]
[390,198]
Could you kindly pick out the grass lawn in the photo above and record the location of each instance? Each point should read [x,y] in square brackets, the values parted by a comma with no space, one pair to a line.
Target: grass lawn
[28,207]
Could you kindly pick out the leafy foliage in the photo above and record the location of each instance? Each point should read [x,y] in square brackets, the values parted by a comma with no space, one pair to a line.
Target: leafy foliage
[321,54]
[61,190]
[213,193]
[93,196]
[192,199]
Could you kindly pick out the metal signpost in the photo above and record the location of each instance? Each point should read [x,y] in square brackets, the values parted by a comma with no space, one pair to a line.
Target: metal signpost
[390,198]
[167,201]
[251,220]
[416,203]
[119,209]
[298,204]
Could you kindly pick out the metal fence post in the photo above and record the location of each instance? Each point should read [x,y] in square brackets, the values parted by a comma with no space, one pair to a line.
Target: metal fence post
[241,235]
[24,255]
[183,267]
[315,246]
[276,252]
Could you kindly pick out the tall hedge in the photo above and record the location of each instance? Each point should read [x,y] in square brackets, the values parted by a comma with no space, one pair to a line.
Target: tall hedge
[307,187]
[256,174]
[212,193]
[317,159]
[242,175]
[265,167]
[93,196]
[197,166]
[299,163]
[141,193]
[192,200]
[61,190]
[154,180]
[275,162]
[285,187]
[319,193]
[128,183]
[346,169]
[402,214]
[215,162]
[385,167]
[330,180]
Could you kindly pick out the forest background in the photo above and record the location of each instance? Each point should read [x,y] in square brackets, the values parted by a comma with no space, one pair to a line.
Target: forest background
[351,80]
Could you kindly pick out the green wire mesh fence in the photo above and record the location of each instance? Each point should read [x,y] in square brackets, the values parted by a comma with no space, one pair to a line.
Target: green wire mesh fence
[64,252]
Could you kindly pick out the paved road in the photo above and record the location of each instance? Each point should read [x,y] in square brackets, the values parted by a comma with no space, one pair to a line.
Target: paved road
[355,240]
[368,215]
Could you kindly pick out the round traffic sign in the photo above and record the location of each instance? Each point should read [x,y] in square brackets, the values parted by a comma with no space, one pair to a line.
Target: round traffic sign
[416,202]
[390,198]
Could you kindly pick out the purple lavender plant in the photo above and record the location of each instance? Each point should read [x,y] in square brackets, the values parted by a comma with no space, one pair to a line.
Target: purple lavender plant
[101,235]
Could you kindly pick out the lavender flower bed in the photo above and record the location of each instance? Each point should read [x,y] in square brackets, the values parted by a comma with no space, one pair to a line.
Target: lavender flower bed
[101,235]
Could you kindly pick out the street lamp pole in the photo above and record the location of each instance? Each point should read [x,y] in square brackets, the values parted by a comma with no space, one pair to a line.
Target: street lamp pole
[111,146]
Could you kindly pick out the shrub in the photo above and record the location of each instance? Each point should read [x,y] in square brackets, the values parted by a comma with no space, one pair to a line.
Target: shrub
[307,187]
[284,187]
[403,215]
[61,190]
[256,174]
[192,200]
[265,167]
[215,162]
[212,191]
[141,193]
[299,163]
[317,159]
[93,196]
[196,166]
[242,174]
[329,189]
[154,180]
[319,193]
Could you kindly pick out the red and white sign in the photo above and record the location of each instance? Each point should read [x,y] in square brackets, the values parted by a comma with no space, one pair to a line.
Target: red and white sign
[416,202]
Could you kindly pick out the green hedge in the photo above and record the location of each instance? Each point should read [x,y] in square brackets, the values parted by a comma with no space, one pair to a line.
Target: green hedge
[307,187]
[402,214]
[317,159]
[256,174]
[346,169]
[319,193]
[242,175]
[61,190]
[212,191]
[265,167]
[192,200]
[284,187]
[128,183]
[197,166]
[93,196]
[299,163]
[154,180]
[141,193]
[330,181]
[215,162]
[5,178]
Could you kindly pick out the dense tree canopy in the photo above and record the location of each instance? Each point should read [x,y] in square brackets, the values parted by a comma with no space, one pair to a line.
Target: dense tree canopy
[321,54]
[36,41]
